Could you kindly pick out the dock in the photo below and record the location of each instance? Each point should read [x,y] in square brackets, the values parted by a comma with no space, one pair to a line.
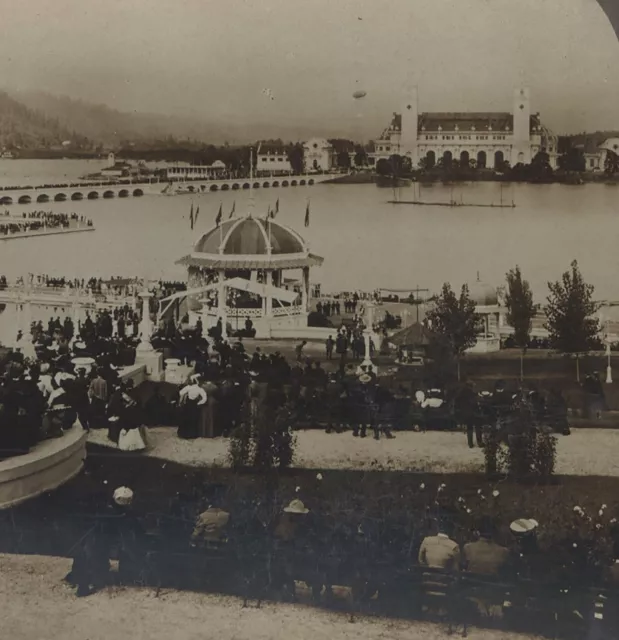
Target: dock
[453,204]
[44,232]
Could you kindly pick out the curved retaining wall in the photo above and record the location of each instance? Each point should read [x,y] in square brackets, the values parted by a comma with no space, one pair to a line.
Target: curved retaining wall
[49,465]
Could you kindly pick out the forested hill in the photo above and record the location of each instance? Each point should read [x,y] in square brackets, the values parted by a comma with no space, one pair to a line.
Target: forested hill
[25,128]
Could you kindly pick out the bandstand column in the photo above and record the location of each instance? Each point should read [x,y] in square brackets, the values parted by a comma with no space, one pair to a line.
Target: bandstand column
[305,289]
[268,310]
[221,303]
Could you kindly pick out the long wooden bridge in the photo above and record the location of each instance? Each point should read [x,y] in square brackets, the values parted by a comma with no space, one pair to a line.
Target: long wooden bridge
[76,191]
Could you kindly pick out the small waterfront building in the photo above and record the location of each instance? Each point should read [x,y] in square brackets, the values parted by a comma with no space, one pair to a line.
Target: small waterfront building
[242,270]
[273,161]
[487,139]
[186,171]
[318,155]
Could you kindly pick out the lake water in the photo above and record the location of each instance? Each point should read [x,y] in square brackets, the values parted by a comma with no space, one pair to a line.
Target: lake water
[366,242]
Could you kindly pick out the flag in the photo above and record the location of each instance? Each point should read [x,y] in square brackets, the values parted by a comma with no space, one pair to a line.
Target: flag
[307,215]
[277,206]
[191,216]
[195,218]
[232,210]
[269,212]
[218,218]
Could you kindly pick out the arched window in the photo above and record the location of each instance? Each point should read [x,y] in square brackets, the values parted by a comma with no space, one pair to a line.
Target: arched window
[464,159]
[447,158]
[430,159]
[498,159]
[481,160]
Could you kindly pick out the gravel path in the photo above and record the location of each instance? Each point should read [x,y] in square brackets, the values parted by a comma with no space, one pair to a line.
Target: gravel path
[37,605]
[585,452]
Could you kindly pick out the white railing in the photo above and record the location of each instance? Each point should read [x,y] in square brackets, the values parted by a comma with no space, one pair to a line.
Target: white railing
[279,312]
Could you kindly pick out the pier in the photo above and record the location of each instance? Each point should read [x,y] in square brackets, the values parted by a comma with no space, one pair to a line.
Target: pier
[51,231]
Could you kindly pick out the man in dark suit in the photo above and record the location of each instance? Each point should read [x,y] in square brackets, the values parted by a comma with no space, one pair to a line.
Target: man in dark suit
[485,557]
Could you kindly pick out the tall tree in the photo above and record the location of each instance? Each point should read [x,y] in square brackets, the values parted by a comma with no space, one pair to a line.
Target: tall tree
[570,313]
[295,156]
[520,310]
[453,319]
[611,164]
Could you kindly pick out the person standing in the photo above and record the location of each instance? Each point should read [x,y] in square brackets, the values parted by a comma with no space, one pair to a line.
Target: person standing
[98,393]
[329,344]
[191,399]
[299,350]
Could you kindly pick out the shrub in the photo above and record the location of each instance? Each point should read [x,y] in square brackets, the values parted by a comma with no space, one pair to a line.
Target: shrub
[315,319]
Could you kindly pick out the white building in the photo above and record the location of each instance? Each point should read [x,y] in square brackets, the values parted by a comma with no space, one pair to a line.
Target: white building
[485,138]
[273,161]
[185,171]
[318,155]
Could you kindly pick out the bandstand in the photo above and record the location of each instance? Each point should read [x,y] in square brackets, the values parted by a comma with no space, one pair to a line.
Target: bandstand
[248,268]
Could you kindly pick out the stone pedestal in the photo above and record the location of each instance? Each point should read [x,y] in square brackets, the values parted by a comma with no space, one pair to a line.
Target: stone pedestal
[152,360]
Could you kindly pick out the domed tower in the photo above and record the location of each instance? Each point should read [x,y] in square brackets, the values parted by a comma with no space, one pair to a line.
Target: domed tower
[237,272]
[486,299]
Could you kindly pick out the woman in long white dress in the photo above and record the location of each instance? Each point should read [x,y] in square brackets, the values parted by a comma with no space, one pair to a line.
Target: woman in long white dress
[132,436]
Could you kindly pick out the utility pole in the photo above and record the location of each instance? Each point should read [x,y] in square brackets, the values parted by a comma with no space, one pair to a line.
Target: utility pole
[417,301]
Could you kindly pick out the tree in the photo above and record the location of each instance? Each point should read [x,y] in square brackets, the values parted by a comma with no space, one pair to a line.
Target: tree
[295,157]
[570,315]
[611,163]
[383,167]
[520,310]
[361,158]
[572,160]
[343,160]
[453,319]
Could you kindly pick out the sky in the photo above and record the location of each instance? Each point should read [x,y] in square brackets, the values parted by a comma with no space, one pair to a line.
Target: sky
[214,58]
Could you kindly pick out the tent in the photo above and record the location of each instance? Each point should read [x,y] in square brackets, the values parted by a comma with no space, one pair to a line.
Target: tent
[414,336]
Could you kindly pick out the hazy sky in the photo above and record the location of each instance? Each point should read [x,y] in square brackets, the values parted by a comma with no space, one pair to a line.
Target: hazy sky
[213,58]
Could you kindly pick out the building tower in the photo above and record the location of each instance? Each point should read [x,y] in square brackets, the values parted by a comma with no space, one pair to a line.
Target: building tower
[408,139]
[521,148]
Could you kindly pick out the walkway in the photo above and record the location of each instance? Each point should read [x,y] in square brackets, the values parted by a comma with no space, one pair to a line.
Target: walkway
[37,604]
[587,452]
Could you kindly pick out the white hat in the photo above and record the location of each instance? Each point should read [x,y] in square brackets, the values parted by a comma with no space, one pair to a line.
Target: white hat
[296,506]
[420,396]
[195,378]
[61,376]
[123,496]
[365,378]
[194,393]
[523,525]
[80,345]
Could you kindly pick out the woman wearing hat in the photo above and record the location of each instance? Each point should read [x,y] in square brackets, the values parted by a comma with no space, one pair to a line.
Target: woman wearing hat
[191,398]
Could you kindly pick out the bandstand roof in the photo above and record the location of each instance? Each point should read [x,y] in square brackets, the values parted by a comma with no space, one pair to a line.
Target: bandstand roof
[250,236]
[250,262]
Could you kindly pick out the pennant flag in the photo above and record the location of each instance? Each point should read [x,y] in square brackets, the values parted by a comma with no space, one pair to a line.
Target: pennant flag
[195,218]
[272,213]
[232,210]
[218,218]
[191,220]
[307,211]
[269,213]
[277,206]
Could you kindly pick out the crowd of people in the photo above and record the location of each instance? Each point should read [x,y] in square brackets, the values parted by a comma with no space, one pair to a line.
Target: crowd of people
[37,220]
[42,393]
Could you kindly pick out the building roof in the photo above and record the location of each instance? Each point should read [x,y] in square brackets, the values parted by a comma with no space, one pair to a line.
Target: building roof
[483,294]
[465,122]
[250,262]
[250,236]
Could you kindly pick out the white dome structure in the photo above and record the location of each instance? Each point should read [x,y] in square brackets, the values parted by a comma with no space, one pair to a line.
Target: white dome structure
[236,273]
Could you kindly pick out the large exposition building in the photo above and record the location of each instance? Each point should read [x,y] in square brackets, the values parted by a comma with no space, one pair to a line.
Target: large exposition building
[486,138]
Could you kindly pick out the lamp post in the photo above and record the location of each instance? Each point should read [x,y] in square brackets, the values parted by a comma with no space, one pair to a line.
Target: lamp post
[609,371]
[146,325]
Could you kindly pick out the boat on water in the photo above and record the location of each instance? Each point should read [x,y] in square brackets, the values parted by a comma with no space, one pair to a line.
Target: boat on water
[176,190]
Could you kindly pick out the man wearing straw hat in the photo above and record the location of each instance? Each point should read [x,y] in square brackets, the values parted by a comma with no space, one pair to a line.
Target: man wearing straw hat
[293,549]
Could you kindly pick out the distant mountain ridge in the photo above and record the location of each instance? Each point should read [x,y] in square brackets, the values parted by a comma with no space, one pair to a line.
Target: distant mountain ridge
[24,128]
[110,127]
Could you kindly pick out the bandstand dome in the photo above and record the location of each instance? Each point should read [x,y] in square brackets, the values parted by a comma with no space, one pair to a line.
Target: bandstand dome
[250,242]
[483,294]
